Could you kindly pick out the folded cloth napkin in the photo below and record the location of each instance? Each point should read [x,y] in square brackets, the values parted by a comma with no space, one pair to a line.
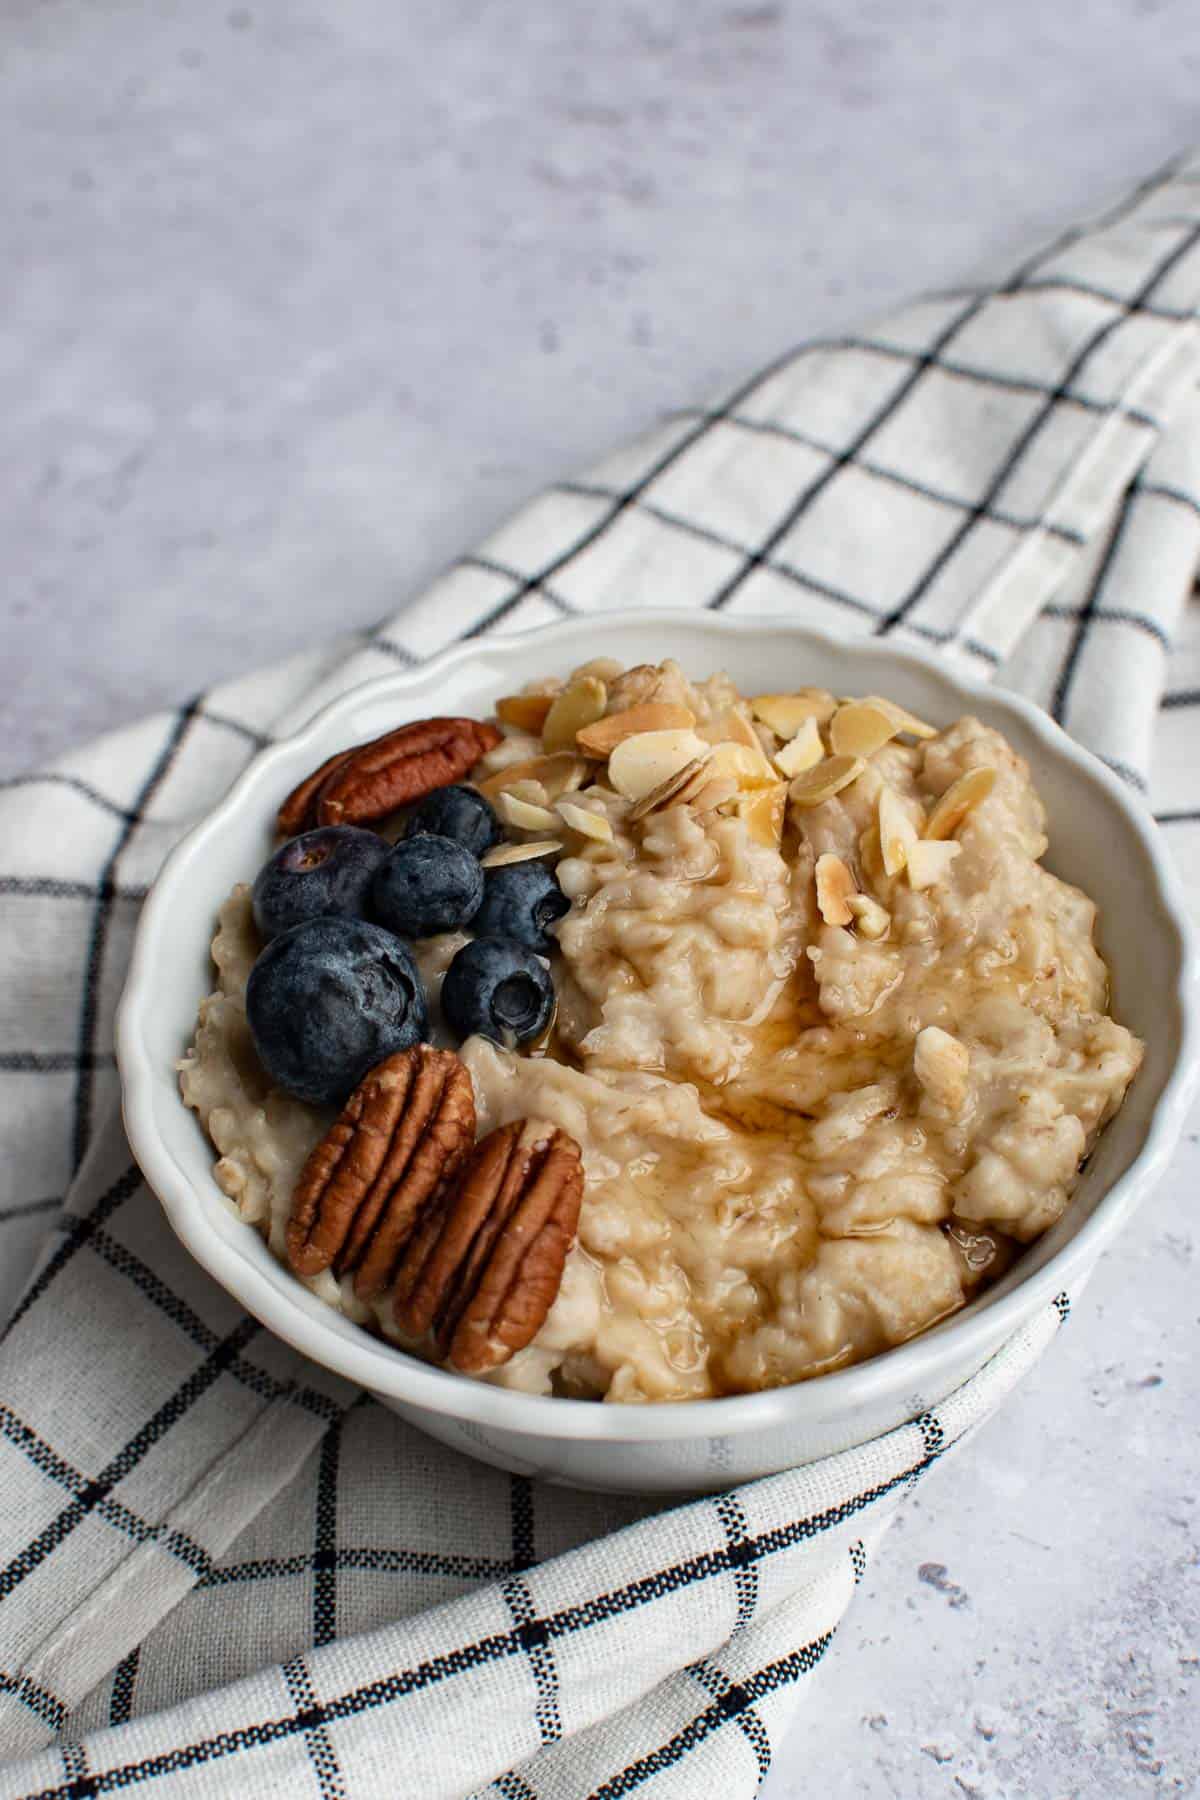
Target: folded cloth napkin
[221,1569]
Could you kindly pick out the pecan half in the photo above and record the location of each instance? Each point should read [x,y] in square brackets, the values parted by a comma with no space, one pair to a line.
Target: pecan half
[359,786]
[397,1145]
[296,814]
[481,1273]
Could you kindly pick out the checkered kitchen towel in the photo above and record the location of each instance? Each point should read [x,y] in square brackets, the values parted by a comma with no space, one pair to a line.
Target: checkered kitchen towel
[222,1571]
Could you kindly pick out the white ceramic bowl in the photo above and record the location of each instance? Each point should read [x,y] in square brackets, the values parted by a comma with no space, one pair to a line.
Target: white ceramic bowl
[1100,838]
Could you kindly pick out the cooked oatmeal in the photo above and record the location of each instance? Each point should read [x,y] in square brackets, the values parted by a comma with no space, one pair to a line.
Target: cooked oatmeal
[831,1059]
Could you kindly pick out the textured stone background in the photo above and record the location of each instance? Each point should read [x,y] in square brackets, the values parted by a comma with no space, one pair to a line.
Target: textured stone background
[298,299]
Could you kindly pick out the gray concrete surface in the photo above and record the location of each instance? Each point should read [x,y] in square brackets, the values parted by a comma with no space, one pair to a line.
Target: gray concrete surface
[298,299]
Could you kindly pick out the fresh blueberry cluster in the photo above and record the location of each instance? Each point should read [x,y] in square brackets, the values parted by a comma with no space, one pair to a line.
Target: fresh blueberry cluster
[336,988]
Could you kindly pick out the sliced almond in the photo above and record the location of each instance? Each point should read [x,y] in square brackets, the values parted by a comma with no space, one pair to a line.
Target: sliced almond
[786,713]
[942,1064]
[527,712]
[700,775]
[958,800]
[835,884]
[587,823]
[897,833]
[514,853]
[578,705]
[732,727]
[871,919]
[508,754]
[907,724]
[643,762]
[671,787]
[636,686]
[929,862]
[707,796]
[860,728]
[763,810]
[804,751]
[573,778]
[826,779]
[523,815]
[531,791]
[604,668]
[602,738]
[738,763]
[558,774]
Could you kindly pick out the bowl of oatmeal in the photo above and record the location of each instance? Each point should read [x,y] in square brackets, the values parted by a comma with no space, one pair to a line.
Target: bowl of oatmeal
[707,1043]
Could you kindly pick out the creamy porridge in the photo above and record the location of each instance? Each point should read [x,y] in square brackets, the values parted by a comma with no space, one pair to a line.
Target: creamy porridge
[832,1043]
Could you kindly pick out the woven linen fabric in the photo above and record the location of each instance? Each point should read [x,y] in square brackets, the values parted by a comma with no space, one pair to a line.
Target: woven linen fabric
[223,1571]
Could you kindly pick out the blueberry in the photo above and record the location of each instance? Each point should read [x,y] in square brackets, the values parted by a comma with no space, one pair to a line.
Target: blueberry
[427,884]
[459,813]
[328,1000]
[519,901]
[322,874]
[498,989]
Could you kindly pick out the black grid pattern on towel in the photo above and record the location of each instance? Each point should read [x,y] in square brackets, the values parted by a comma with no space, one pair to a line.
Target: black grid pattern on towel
[1053,398]
[311,1717]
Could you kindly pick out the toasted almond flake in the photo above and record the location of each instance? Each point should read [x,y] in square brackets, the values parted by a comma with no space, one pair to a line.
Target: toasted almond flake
[786,713]
[942,1063]
[578,705]
[697,775]
[709,796]
[700,789]
[907,724]
[531,791]
[602,738]
[763,810]
[897,833]
[826,779]
[514,853]
[962,797]
[804,751]
[860,728]
[587,823]
[525,816]
[558,774]
[508,754]
[835,884]
[641,763]
[635,686]
[671,787]
[738,763]
[733,727]
[604,668]
[929,862]
[576,775]
[527,712]
[870,919]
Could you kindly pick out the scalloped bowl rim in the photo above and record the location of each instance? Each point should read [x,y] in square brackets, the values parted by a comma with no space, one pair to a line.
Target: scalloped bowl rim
[296,1317]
